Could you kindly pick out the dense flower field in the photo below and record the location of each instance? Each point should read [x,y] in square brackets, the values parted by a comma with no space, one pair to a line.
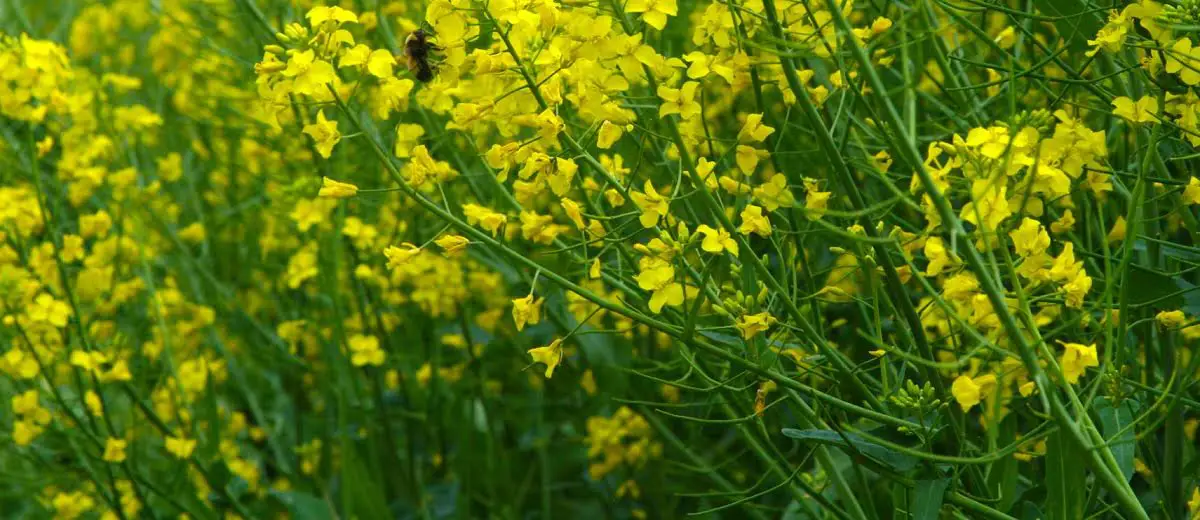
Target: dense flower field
[612,259]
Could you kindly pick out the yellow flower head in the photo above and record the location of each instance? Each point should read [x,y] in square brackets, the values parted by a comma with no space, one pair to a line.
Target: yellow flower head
[1171,319]
[752,324]
[336,190]
[400,256]
[527,311]
[653,205]
[364,350]
[550,355]
[321,14]
[717,241]
[324,134]
[658,277]
[114,450]
[654,12]
[970,391]
[485,218]
[1030,238]
[1144,110]
[181,447]
[754,221]
[453,245]
[1076,359]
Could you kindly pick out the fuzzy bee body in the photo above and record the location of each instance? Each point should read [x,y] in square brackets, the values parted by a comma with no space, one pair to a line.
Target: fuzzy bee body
[417,49]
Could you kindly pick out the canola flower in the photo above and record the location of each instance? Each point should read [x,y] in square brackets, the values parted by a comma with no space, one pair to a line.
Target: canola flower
[264,258]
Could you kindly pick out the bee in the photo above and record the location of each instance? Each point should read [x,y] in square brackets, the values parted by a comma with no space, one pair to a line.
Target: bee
[417,48]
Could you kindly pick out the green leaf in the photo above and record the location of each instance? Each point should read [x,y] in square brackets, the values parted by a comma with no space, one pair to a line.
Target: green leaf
[361,494]
[1152,287]
[304,506]
[1030,511]
[1168,249]
[927,498]
[1077,22]
[1191,296]
[1064,478]
[1112,420]
[1002,475]
[886,456]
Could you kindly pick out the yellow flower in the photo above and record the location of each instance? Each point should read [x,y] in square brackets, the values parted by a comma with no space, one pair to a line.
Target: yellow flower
[484,217]
[775,193]
[1027,388]
[816,203]
[1077,288]
[717,240]
[407,137]
[1171,319]
[93,403]
[453,245]
[1030,239]
[88,361]
[753,221]
[752,324]
[1144,110]
[96,225]
[608,135]
[321,14]
[1111,37]
[399,256]
[1183,59]
[990,206]
[336,190]
[1098,182]
[324,134]
[364,350]
[1117,233]
[1065,267]
[527,311]
[550,355]
[114,450]
[310,75]
[753,130]
[1064,223]
[46,309]
[26,404]
[1194,503]
[746,157]
[658,277]
[653,205]
[380,63]
[1191,194]
[680,101]
[654,12]
[24,432]
[194,233]
[181,447]
[588,382]
[939,257]
[1076,359]
[571,208]
[971,391]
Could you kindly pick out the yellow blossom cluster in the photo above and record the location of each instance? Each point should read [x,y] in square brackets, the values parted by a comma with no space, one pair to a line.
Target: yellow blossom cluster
[266,258]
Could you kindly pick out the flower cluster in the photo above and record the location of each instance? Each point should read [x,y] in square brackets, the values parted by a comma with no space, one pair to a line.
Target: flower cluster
[275,257]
